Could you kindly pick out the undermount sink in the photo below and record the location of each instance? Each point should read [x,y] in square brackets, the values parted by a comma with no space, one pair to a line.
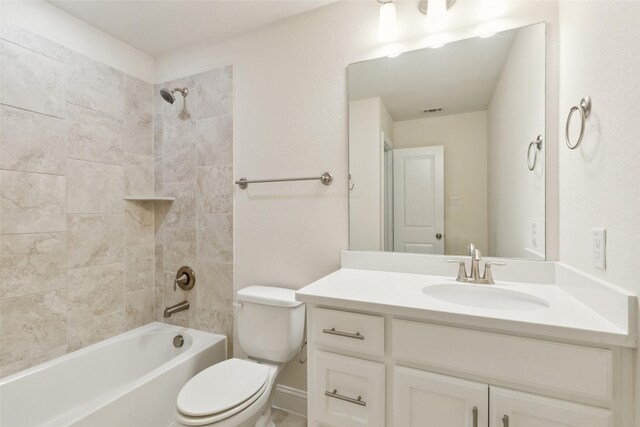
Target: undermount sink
[483,296]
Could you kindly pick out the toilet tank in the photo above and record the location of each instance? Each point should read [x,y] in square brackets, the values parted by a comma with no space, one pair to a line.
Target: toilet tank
[270,323]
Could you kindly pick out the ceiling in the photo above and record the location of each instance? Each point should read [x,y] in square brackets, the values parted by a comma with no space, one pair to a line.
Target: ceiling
[160,26]
[459,77]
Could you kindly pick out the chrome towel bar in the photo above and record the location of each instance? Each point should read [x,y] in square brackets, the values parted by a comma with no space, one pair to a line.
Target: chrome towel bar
[326,178]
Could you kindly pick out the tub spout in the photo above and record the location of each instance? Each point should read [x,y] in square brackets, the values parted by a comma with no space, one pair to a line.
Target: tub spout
[184,305]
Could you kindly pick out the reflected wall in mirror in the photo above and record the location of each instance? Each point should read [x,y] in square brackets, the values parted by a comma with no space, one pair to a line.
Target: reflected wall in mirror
[441,147]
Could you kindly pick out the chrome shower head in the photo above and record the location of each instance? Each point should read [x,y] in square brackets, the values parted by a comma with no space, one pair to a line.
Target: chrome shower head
[167,96]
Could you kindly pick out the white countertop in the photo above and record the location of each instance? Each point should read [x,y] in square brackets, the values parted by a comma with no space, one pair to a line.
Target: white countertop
[400,295]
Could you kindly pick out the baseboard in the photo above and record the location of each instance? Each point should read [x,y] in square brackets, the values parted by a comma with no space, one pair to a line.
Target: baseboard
[291,400]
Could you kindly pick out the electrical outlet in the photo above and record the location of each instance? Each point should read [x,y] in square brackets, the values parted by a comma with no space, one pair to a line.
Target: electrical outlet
[455,203]
[600,248]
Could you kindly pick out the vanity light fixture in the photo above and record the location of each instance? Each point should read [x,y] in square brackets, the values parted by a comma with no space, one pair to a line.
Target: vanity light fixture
[388,24]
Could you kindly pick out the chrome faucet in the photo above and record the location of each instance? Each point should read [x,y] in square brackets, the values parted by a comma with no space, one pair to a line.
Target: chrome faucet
[182,306]
[475,277]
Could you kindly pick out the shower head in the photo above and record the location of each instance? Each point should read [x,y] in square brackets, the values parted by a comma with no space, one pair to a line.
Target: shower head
[167,96]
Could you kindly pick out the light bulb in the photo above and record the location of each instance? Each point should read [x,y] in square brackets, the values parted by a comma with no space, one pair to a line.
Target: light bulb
[388,25]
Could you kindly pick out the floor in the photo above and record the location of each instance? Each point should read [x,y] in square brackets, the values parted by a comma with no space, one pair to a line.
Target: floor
[285,419]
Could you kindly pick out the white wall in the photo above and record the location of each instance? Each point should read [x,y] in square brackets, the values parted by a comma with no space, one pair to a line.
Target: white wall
[599,181]
[515,118]
[464,137]
[291,119]
[365,152]
[52,23]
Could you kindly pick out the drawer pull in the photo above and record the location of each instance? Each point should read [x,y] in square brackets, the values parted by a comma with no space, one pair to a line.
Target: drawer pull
[505,421]
[335,395]
[475,416]
[333,331]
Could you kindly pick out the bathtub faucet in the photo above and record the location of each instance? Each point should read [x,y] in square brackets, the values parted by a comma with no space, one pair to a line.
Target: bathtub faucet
[182,306]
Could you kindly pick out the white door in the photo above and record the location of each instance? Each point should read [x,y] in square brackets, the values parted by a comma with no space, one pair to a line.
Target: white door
[516,409]
[424,399]
[418,190]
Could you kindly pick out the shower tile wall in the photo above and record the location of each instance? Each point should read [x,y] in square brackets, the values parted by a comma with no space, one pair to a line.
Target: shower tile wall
[194,164]
[76,260]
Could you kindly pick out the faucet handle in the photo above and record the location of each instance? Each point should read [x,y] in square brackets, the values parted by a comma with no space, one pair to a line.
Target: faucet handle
[488,276]
[462,269]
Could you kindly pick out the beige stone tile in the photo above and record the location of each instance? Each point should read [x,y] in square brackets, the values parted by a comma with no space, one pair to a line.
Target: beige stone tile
[159,265]
[285,419]
[139,308]
[94,136]
[32,263]
[215,189]
[215,238]
[32,324]
[215,92]
[139,267]
[31,361]
[31,81]
[95,239]
[215,140]
[159,303]
[180,248]
[95,330]
[138,94]
[179,160]
[31,41]
[138,132]
[215,299]
[93,85]
[181,213]
[95,291]
[138,175]
[139,220]
[175,125]
[32,142]
[32,202]
[94,187]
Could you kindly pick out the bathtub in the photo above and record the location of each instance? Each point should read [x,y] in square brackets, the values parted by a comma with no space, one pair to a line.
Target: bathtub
[131,380]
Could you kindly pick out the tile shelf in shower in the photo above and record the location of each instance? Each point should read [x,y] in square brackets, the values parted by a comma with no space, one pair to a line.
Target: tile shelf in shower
[149,199]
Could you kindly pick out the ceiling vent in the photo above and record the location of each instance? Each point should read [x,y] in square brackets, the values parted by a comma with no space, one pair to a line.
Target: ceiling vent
[432,110]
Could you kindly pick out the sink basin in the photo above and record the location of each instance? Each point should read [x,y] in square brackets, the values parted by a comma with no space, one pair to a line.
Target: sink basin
[483,296]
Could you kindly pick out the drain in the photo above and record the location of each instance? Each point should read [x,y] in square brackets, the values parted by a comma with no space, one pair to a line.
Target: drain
[178,341]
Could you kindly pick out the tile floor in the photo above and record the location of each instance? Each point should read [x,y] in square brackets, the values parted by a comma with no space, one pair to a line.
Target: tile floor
[285,419]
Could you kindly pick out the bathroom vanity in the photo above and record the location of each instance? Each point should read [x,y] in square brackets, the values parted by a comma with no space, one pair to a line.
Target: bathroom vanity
[394,340]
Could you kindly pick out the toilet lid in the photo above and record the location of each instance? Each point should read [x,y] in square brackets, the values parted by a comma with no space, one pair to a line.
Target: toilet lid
[221,387]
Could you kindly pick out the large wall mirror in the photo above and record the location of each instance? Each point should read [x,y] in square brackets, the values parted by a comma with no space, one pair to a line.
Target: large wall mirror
[447,147]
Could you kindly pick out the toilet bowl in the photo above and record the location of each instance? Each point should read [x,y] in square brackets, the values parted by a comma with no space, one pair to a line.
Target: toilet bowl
[233,393]
[238,392]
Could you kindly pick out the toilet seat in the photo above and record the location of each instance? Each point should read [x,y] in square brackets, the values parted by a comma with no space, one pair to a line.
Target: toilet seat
[221,391]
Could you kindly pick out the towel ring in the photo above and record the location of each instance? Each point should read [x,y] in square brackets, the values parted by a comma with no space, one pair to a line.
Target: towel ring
[537,144]
[585,109]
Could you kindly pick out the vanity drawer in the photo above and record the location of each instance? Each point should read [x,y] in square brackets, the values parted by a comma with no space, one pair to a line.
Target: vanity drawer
[348,331]
[348,392]
[569,369]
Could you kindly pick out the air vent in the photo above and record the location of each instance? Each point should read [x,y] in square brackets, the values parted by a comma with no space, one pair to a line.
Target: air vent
[432,110]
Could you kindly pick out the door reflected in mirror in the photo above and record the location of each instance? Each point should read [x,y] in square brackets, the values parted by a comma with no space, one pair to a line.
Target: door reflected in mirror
[443,150]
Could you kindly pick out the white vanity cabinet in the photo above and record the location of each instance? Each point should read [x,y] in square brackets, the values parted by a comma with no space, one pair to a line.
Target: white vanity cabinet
[374,370]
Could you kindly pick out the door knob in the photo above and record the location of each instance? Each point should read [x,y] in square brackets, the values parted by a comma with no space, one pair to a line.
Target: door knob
[439,236]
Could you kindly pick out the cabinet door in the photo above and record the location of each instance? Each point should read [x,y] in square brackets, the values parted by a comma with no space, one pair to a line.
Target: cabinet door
[424,399]
[516,409]
[347,392]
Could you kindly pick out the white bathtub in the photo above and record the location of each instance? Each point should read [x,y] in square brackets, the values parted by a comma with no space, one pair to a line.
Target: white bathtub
[130,380]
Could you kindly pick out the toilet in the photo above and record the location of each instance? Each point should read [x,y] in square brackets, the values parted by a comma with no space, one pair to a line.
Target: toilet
[238,392]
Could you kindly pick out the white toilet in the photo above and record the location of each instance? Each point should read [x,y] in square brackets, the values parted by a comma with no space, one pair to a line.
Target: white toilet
[238,392]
